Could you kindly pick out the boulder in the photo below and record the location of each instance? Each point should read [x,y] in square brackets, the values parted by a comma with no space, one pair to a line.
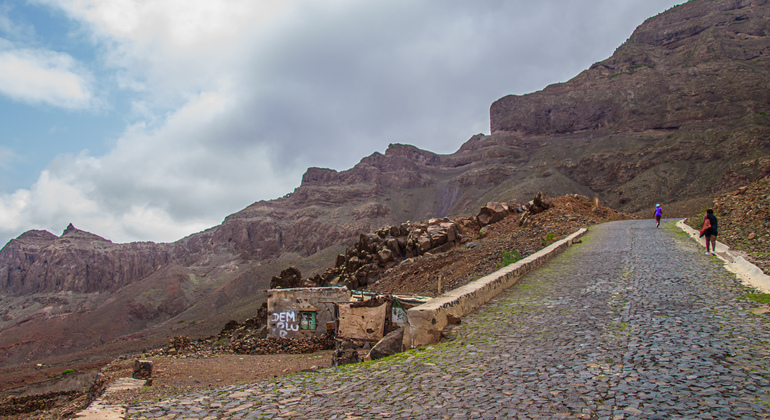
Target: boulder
[452,233]
[385,256]
[339,261]
[389,345]
[424,243]
[142,369]
[540,203]
[393,246]
[438,239]
[492,213]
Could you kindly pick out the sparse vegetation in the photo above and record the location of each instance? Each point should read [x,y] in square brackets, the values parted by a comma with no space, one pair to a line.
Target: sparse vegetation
[757,297]
[510,257]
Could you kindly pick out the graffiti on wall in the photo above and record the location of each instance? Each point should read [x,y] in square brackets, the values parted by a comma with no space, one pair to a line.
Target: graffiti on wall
[284,322]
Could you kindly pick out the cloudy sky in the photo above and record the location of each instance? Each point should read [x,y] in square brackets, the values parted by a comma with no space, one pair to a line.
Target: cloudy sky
[154,119]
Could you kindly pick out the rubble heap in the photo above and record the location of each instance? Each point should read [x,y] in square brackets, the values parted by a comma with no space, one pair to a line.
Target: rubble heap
[545,220]
[376,252]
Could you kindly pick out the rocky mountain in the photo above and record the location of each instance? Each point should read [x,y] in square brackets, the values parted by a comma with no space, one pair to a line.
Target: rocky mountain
[675,116]
[679,110]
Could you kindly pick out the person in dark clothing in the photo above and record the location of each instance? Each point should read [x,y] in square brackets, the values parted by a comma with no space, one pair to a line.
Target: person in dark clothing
[709,230]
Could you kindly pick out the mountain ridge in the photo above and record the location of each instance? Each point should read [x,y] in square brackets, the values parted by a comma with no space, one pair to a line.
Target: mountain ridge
[670,117]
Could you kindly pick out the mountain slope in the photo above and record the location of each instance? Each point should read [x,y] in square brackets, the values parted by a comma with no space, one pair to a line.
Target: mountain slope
[678,113]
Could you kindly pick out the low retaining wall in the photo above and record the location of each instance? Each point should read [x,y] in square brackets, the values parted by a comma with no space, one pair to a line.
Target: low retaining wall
[425,322]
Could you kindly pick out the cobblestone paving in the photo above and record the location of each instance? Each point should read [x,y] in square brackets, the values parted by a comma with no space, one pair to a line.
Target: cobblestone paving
[634,323]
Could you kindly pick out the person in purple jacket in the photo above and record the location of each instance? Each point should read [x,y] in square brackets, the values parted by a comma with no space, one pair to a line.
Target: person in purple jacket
[658,214]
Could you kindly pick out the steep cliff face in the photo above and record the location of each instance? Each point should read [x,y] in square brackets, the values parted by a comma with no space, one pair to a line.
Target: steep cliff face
[679,111]
[77,261]
[702,61]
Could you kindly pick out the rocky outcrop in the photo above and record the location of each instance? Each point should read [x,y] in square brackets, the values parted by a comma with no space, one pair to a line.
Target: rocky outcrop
[376,252]
[700,61]
[290,277]
[77,261]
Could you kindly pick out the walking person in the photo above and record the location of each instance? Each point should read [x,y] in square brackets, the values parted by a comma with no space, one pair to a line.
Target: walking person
[709,230]
[658,214]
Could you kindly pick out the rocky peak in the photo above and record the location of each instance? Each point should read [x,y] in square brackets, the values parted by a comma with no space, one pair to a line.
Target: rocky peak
[413,154]
[692,18]
[319,176]
[71,232]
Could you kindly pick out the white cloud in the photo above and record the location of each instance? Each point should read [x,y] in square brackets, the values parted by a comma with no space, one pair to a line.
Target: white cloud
[40,76]
[172,49]
[12,208]
[233,100]
[156,184]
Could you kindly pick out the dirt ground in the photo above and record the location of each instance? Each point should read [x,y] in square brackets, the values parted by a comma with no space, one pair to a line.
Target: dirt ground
[172,376]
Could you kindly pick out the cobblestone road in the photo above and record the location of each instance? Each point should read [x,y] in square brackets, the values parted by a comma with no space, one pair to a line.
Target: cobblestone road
[635,322]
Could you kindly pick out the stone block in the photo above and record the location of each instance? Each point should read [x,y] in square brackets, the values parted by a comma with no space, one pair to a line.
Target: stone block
[142,369]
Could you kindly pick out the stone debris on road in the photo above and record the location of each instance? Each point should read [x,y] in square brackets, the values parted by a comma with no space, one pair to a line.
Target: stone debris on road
[634,322]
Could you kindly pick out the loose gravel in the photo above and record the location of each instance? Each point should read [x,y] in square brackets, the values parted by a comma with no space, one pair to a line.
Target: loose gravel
[633,323]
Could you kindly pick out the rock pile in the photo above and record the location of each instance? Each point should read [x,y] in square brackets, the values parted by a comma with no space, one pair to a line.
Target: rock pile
[252,327]
[289,278]
[31,403]
[273,345]
[177,344]
[248,344]
[376,252]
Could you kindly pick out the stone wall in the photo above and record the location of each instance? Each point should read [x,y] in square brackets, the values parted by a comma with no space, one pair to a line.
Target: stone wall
[425,322]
